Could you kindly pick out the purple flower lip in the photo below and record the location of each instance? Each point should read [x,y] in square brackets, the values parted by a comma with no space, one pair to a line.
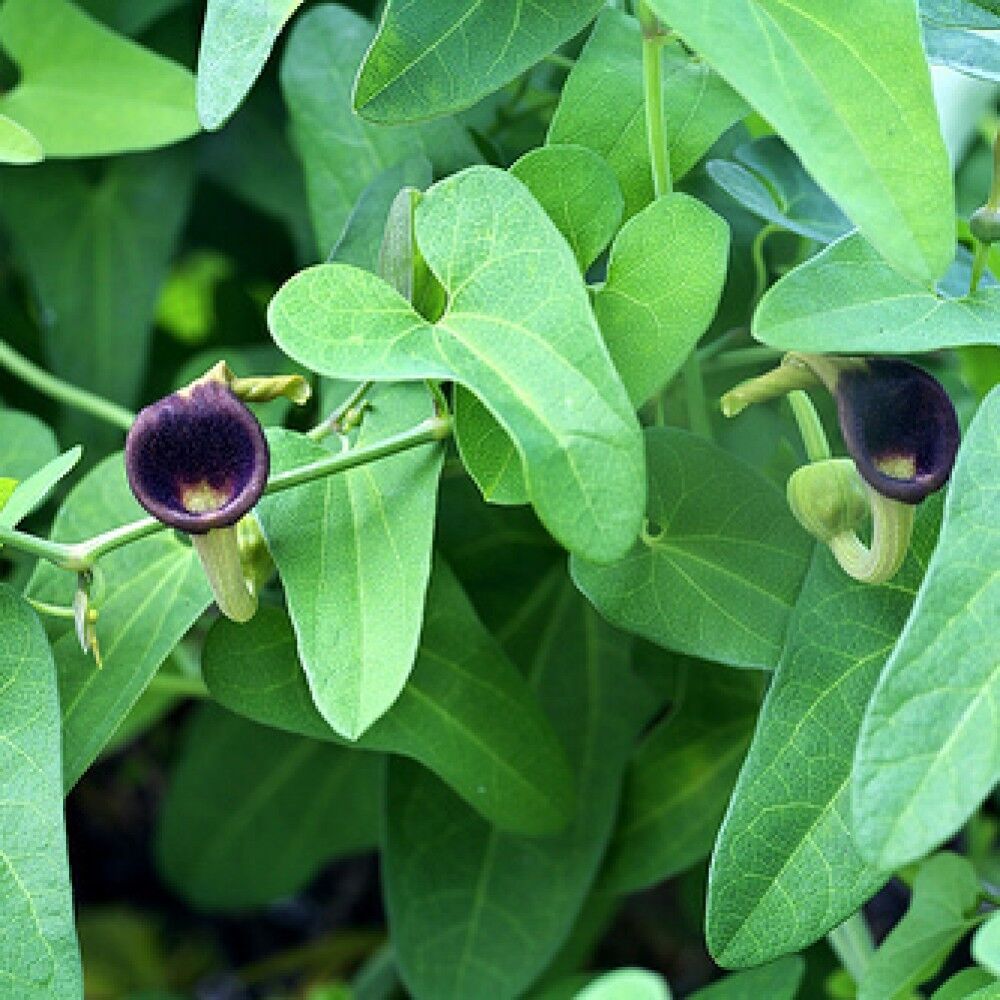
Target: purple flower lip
[899,426]
[197,459]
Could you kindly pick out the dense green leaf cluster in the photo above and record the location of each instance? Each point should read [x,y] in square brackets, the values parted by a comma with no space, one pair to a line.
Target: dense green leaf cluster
[536,623]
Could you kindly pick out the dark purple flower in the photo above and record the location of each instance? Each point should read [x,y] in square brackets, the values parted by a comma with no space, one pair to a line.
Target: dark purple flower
[899,426]
[197,459]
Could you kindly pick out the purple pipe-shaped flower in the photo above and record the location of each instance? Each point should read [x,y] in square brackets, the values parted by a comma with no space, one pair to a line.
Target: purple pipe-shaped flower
[198,460]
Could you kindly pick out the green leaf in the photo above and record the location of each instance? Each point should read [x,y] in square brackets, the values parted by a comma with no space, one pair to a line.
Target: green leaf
[465,711]
[866,130]
[986,944]
[236,40]
[535,358]
[251,814]
[579,192]
[929,749]
[961,13]
[679,782]
[17,144]
[786,868]
[354,554]
[966,985]
[33,491]
[580,195]
[252,157]
[665,277]
[765,177]
[361,241]
[720,562]
[85,90]
[602,106]
[846,299]
[488,454]
[432,59]
[39,959]
[778,980]
[965,51]
[127,16]
[26,444]
[943,909]
[626,984]
[147,593]
[7,487]
[500,905]
[342,154]
[97,254]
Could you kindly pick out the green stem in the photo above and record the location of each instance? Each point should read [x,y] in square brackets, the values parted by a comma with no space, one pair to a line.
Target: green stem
[694,391]
[82,555]
[656,133]
[558,59]
[47,384]
[810,426]
[185,687]
[333,421]
[852,944]
[760,262]
[52,610]
[744,357]
[979,260]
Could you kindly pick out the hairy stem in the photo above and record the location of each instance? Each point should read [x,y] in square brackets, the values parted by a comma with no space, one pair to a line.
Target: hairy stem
[47,384]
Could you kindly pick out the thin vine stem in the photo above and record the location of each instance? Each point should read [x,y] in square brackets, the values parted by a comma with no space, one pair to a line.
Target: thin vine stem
[656,133]
[979,259]
[333,422]
[55,388]
[80,556]
[653,37]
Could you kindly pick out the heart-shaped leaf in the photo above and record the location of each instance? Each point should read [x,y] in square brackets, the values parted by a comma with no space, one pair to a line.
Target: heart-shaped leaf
[236,793]
[517,331]
[87,91]
[720,563]
[500,904]
[665,277]
[39,959]
[465,712]
[866,129]
[929,749]
[578,191]
[354,554]
[580,195]
[846,299]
